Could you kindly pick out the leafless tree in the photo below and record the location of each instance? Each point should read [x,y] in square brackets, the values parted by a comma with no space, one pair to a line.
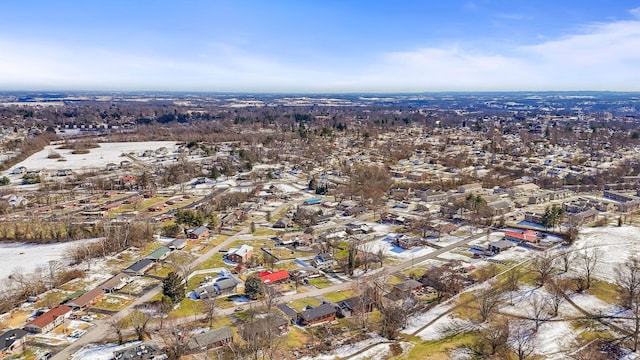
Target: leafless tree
[566,256]
[488,300]
[521,339]
[537,310]
[175,338]
[543,263]
[118,326]
[492,338]
[511,282]
[209,304]
[589,260]
[140,321]
[628,279]
[555,298]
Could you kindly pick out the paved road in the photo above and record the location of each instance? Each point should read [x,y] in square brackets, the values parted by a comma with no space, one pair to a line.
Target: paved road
[102,329]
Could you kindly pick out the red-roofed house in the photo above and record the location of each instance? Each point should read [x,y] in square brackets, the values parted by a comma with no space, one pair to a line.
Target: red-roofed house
[528,236]
[49,320]
[271,278]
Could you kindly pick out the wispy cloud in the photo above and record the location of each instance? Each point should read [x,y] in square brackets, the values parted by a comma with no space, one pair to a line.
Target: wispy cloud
[598,56]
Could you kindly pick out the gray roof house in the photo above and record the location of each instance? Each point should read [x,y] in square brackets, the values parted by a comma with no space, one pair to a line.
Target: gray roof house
[140,267]
[210,339]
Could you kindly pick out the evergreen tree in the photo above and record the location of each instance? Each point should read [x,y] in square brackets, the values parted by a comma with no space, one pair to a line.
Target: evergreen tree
[253,287]
[173,288]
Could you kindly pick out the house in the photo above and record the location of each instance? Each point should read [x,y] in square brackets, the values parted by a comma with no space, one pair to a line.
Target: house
[303,273]
[499,246]
[283,223]
[140,267]
[520,237]
[324,312]
[223,286]
[159,254]
[12,342]
[313,201]
[268,277]
[270,324]
[115,283]
[583,216]
[177,244]
[500,207]
[533,217]
[210,339]
[125,164]
[198,233]
[526,236]
[87,299]
[408,242]
[470,188]
[111,166]
[49,320]
[228,220]
[354,306]
[240,255]
[323,261]
[406,287]
[354,210]
[288,311]
[140,351]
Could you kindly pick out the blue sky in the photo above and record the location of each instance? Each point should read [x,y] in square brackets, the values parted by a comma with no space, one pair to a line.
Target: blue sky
[320,46]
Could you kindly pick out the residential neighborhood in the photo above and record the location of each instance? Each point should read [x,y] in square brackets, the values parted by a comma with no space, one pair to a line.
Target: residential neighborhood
[325,242]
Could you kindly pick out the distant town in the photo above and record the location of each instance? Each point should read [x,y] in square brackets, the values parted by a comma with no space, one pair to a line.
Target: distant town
[287,226]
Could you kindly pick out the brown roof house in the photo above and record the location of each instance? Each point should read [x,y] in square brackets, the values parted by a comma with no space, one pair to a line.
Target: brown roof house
[87,299]
[324,312]
[49,320]
[115,283]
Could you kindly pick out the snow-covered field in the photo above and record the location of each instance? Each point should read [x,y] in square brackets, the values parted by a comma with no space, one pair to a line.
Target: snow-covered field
[28,257]
[615,245]
[96,158]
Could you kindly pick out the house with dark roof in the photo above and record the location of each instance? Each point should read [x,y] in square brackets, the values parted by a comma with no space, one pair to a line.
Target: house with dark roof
[12,342]
[324,312]
[501,245]
[198,233]
[270,324]
[140,267]
[354,306]
[288,311]
[283,223]
[177,244]
[49,320]
[210,339]
[115,283]
[87,299]
[224,286]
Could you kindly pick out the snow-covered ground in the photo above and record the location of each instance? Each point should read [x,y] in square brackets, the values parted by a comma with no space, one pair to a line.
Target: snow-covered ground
[391,250]
[96,158]
[615,245]
[28,257]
